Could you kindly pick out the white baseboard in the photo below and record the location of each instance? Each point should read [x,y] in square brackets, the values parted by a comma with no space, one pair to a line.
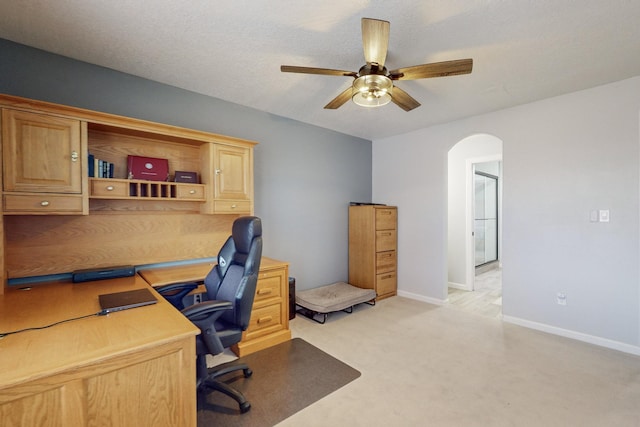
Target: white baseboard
[591,339]
[421,298]
[460,286]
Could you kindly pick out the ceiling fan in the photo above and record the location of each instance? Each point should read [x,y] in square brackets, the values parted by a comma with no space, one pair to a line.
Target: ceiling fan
[373,83]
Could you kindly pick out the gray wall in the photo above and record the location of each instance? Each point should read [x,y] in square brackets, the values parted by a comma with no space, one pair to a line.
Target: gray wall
[305,176]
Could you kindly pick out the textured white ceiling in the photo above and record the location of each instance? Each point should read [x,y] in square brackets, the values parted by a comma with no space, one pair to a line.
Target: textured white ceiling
[523,50]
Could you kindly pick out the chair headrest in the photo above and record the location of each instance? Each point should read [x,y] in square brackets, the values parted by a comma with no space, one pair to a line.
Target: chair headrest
[245,229]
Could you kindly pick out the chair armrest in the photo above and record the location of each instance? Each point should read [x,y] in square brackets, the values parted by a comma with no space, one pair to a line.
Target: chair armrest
[205,309]
[169,289]
[176,292]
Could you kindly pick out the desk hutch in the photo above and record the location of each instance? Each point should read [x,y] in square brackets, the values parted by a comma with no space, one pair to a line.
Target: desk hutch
[56,219]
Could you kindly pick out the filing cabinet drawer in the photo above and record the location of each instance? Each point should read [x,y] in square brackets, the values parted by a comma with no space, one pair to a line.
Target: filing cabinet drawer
[385,261]
[386,283]
[45,203]
[386,219]
[385,240]
[264,320]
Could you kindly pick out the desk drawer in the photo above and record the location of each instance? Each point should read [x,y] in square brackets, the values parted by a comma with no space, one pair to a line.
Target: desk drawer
[185,192]
[268,287]
[385,261]
[264,320]
[106,188]
[232,206]
[44,203]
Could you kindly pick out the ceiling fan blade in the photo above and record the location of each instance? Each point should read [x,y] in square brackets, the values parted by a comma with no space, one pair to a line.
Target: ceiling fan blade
[312,70]
[375,40]
[435,69]
[403,100]
[339,100]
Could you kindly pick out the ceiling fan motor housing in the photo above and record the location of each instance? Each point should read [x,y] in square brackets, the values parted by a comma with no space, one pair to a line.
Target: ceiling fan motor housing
[372,88]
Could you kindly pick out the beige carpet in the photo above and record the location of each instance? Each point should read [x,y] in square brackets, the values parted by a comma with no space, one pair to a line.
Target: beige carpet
[425,365]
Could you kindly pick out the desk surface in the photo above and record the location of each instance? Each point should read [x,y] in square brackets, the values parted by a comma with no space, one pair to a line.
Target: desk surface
[32,354]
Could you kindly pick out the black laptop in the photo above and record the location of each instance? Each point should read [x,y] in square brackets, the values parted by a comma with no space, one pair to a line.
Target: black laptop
[118,301]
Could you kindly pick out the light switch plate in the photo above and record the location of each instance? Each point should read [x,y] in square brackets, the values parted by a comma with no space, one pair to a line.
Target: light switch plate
[604,215]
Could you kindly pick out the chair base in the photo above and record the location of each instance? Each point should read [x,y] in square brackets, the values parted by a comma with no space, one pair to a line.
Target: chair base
[211,383]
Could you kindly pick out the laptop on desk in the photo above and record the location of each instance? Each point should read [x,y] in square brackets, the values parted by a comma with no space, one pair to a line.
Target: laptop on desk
[125,300]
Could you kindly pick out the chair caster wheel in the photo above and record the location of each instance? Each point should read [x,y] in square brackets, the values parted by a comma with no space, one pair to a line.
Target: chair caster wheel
[247,372]
[244,407]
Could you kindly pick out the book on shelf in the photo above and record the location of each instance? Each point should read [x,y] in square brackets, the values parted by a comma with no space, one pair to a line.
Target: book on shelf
[99,168]
[92,169]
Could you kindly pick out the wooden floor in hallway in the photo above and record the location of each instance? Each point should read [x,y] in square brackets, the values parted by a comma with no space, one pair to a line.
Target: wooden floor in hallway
[485,300]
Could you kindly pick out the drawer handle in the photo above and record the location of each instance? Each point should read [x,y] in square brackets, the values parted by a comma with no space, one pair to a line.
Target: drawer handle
[264,291]
[192,192]
[44,203]
[386,234]
[233,206]
[265,319]
[110,188]
[390,276]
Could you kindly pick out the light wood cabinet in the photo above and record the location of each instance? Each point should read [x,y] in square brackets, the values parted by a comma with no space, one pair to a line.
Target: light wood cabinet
[230,170]
[45,150]
[373,248]
[233,166]
[43,159]
[269,323]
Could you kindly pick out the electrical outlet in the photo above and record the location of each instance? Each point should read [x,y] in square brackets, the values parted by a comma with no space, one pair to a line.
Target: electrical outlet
[197,298]
[561,298]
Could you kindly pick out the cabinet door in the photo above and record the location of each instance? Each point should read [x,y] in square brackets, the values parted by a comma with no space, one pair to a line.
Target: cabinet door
[233,173]
[42,154]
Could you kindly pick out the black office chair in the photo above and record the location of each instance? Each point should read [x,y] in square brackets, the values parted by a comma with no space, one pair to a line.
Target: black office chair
[224,315]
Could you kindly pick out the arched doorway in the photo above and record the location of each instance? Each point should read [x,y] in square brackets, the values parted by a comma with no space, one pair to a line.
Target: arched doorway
[474,224]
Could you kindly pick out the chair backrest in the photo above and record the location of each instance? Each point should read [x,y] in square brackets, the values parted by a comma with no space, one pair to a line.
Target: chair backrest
[235,277]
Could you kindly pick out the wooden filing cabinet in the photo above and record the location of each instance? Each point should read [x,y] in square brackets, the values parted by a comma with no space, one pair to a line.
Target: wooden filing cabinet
[373,248]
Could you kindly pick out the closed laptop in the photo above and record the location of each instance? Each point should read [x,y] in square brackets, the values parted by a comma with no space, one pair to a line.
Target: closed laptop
[118,301]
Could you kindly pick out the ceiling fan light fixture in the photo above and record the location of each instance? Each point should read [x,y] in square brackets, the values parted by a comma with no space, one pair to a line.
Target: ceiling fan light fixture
[372,90]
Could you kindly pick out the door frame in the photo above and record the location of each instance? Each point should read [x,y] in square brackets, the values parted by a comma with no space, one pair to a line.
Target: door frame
[469,213]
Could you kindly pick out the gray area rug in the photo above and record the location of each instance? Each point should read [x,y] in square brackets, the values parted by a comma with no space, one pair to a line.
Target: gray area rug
[286,378]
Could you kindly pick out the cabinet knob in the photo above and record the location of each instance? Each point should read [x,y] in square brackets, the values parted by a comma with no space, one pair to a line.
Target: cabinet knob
[192,192]
[110,188]
[74,156]
[233,206]
[44,203]
[218,171]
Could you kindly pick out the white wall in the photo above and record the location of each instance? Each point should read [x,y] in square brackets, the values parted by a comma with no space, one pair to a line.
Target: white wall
[563,157]
[459,227]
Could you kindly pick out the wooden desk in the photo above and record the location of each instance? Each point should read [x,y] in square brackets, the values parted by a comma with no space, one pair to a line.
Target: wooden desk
[269,324]
[133,367]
